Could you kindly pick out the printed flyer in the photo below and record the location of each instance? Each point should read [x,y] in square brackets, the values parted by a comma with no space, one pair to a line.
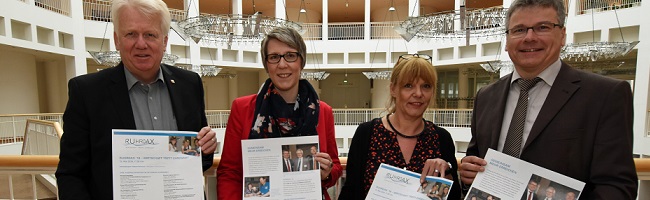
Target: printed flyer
[281,168]
[394,183]
[509,178]
[157,165]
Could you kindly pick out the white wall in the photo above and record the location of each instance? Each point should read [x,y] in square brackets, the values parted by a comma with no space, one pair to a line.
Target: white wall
[216,89]
[18,83]
[354,94]
[11,149]
[56,90]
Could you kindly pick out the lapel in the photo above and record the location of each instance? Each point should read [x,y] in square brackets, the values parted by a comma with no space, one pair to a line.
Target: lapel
[496,119]
[120,96]
[173,86]
[565,85]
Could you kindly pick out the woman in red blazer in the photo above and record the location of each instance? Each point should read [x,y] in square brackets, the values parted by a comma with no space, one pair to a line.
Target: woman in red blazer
[285,107]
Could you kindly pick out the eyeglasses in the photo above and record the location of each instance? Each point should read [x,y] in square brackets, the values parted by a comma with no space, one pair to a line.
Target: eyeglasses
[409,56]
[289,57]
[539,29]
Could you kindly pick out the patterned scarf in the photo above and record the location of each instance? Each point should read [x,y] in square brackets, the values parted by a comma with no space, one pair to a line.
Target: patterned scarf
[275,118]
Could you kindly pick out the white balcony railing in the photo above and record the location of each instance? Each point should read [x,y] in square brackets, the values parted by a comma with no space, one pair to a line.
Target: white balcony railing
[57,6]
[593,6]
[345,31]
[12,127]
[383,30]
[314,31]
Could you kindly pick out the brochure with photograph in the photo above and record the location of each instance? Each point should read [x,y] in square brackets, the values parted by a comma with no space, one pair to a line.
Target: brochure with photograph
[286,162]
[394,183]
[156,165]
[509,178]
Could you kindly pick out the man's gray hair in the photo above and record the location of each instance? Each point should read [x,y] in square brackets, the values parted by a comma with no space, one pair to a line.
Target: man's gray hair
[558,5]
[149,8]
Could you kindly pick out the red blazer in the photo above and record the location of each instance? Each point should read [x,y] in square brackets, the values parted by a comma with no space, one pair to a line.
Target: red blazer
[229,173]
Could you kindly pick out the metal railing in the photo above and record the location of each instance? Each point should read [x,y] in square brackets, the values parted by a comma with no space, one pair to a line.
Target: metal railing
[313,31]
[592,6]
[97,10]
[57,6]
[384,30]
[12,127]
[42,138]
[177,15]
[345,31]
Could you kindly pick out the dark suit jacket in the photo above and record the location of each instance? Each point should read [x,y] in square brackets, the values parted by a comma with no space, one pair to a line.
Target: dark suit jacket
[284,165]
[99,102]
[583,130]
[525,195]
[310,159]
[306,165]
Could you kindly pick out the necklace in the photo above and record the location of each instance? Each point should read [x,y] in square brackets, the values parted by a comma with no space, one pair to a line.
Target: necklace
[398,133]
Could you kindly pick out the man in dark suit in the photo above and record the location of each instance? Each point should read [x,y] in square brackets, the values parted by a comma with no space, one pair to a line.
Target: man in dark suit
[529,193]
[577,123]
[313,163]
[139,93]
[286,161]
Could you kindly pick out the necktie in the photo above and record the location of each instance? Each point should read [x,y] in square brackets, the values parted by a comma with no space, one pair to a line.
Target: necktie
[530,195]
[516,130]
[288,164]
[313,164]
[300,164]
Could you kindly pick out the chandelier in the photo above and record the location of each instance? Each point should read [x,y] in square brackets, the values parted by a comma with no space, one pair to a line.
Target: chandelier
[594,51]
[228,29]
[202,70]
[380,75]
[496,66]
[319,76]
[112,58]
[484,22]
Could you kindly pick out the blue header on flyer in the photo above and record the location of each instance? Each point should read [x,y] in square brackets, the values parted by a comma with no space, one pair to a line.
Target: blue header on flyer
[415,175]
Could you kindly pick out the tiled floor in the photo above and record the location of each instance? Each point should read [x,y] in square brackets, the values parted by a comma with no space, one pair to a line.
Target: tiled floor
[22,186]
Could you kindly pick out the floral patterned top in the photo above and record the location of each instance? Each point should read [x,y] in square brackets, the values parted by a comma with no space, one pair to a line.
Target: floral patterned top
[384,148]
[373,144]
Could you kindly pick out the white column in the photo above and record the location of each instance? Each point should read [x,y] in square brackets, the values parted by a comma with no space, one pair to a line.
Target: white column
[262,77]
[77,65]
[506,4]
[325,19]
[237,7]
[641,89]
[380,93]
[463,86]
[193,51]
[316,85]
[366,21]
[232,88]
[503,55]
[280,10]
[414,8]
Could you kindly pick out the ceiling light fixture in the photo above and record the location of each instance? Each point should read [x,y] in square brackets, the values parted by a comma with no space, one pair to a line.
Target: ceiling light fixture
[484,22]
[229,29]
[112,58]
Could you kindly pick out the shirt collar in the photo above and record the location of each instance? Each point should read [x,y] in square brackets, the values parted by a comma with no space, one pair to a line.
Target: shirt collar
[548,75]
[131,80]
